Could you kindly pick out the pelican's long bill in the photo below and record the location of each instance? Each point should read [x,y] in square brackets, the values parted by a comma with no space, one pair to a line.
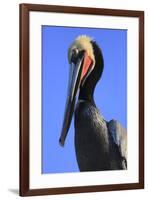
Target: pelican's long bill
[73,86]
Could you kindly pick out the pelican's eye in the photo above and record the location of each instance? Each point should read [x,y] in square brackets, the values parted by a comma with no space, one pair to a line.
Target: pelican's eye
[76,53]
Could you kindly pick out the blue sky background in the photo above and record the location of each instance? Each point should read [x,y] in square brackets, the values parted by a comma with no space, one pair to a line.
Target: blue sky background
[110,93]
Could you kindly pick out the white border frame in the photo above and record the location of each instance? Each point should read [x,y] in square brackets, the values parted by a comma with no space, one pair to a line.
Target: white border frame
[131,175]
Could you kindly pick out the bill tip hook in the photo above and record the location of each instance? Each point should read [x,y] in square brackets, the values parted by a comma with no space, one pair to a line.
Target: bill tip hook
[61,142]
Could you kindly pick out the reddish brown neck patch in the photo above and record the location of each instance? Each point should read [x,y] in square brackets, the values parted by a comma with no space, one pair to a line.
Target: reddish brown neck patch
[87,64]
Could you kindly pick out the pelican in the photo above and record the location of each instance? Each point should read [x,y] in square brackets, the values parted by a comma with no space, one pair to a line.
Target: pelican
[99,145]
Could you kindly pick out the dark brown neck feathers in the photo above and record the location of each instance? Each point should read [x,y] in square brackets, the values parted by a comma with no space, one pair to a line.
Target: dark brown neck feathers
[87,90]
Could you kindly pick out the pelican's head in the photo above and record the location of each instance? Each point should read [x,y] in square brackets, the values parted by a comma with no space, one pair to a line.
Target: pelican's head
[81,50]
[82,55]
